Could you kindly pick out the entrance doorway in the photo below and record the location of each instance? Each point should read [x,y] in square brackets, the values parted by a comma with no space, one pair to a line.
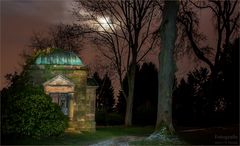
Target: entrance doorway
[61,90]
[62,99]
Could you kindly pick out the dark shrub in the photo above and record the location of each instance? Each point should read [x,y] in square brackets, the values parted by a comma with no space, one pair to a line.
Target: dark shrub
[104,118]
[114,119]
[100,118]
[32,113]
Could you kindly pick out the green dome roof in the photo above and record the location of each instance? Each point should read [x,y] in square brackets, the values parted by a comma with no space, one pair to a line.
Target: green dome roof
[59,57]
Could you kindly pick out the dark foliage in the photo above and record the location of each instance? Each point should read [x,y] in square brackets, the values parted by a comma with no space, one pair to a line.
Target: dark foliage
[189,99]
[145,102]
[200,99]
[205,99]
[104,101]
[113,118]
[26,110]
[121,104]
[146,91]
[105,96]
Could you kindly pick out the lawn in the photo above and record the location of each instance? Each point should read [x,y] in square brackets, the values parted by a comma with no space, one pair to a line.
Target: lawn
[203,136]
[81,139]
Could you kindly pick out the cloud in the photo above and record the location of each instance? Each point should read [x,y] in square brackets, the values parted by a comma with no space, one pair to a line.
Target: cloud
[50,11]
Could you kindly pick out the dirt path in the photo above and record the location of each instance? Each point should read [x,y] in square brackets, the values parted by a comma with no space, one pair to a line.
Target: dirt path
[119,141]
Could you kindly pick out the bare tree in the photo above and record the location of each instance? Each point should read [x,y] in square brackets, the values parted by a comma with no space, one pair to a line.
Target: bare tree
[226,17]
[123,35]
[67,37]
[167,66]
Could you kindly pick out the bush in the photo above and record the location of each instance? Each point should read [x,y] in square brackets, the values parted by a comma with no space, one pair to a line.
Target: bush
[114,119]
[104,118]
[32,115]
[100,118]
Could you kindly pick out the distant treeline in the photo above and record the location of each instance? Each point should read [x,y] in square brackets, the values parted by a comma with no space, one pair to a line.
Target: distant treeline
[199,100]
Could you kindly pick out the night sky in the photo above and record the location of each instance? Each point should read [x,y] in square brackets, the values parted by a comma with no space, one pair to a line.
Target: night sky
[20,18]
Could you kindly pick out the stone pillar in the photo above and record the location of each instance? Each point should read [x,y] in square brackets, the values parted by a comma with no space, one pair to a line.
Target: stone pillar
[90,116]
[71,107]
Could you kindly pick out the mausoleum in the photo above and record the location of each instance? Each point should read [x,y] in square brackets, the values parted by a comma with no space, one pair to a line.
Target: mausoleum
[65,78]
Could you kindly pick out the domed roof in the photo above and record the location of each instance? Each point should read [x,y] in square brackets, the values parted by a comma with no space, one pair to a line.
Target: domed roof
[59,57]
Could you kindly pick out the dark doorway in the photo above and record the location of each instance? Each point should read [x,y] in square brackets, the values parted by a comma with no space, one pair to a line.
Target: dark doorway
[62,99]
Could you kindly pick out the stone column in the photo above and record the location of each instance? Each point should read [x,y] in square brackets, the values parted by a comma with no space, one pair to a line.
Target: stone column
[71,106]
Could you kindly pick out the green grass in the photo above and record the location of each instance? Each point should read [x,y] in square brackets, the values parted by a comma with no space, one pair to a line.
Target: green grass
[203,137]
[80,139]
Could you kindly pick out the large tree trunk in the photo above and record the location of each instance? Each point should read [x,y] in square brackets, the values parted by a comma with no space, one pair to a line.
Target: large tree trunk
[166,66]
[129,100]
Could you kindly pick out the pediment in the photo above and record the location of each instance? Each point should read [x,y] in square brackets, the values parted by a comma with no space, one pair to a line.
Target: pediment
[58,80]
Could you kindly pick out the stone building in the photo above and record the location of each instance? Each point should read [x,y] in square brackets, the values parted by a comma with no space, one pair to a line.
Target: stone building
[65,78]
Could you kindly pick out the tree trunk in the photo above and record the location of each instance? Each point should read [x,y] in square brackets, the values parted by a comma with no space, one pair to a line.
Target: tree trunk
[166,66]
[129,100]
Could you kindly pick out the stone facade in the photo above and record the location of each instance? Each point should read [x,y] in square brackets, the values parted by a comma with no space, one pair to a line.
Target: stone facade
[68,86]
